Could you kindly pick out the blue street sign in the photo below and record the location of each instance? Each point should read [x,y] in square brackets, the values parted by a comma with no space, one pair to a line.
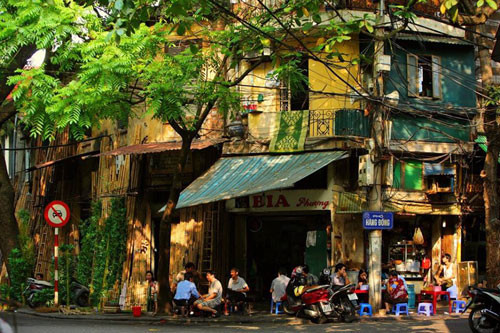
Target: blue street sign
[378,220]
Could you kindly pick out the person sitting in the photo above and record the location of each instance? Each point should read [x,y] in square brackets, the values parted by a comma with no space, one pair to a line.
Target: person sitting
[39,276]
[396,291]
[310,277]
[448,272]
[236,290]
[278,286]
[186,293]
[362,278]
[188,268]
[213,299]
[340,278]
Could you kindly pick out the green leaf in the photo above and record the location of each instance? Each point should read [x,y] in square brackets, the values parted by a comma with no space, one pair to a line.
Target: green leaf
[480,3]
[307,26]
[119,4]
[492,4]
[193,48]
[120,31]
[369,28]
[317,18]
[181,29]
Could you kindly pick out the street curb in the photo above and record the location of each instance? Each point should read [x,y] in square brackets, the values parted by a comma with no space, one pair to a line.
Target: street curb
[170,319]
[266,318]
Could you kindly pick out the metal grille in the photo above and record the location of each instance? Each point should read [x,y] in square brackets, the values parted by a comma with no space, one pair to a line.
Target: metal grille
[321,123]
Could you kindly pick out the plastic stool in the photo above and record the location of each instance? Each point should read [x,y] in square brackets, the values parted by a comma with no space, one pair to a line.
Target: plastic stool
[426,309]
[277,304]
[400,308]
[365,309]
[458,306]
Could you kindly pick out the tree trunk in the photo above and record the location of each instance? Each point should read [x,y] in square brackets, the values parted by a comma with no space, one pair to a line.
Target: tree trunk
[8,223]
[165,294]
[490,171]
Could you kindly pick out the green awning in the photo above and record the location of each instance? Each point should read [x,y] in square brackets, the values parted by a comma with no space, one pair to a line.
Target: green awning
[232,177]
[483,144]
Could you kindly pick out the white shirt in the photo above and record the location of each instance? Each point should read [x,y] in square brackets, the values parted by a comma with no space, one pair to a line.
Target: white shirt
[279,287]
[448,272]
[237,285]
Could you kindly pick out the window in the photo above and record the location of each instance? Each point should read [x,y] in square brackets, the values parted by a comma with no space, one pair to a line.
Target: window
[439,177]
[424,76]
[299,98]
[296,99]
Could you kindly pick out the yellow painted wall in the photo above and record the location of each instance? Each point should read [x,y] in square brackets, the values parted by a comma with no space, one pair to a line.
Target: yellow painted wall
[321,79]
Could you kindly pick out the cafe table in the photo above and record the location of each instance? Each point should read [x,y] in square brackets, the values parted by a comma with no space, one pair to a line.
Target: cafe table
[434,295]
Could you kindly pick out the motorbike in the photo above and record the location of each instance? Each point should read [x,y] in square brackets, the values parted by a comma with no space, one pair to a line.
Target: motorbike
[485,310]
[79,293]
[324,303]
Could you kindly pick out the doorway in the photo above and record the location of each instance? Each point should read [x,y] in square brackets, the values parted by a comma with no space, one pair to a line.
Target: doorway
[280,242]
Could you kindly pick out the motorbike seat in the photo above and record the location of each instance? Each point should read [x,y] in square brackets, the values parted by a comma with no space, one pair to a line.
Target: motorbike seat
[316,288]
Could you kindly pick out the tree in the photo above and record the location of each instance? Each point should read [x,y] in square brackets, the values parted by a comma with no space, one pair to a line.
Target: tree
[26,26]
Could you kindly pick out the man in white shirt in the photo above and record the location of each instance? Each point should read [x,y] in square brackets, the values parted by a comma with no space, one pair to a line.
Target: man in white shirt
[211,300]
[278,286]
[236,288]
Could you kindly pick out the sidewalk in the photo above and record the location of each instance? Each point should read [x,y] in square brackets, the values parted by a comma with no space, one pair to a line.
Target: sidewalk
[258,317]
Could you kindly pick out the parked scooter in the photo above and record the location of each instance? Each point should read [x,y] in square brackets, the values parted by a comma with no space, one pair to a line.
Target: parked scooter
[321,303]
[79,293]
[485,312]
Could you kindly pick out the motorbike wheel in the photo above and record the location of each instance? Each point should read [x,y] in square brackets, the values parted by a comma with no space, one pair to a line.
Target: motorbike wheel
[286,308]
[349,314]
[82,298]
[320,320]
[477,322]
[32,304]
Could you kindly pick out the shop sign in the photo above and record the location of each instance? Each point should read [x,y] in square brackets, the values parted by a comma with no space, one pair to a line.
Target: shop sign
[287,200]
[378,220]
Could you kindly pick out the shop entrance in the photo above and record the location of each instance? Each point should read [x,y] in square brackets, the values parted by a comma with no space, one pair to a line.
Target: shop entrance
[280,242]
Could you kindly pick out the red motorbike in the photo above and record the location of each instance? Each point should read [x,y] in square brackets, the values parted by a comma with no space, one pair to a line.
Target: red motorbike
[323,303]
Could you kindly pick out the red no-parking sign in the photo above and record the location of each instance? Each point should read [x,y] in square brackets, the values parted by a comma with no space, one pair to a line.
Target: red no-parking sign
[57,214]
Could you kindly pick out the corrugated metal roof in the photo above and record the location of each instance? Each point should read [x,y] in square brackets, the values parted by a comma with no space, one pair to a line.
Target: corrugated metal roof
[50,163]
[433,39]
[158,147]
[232,177]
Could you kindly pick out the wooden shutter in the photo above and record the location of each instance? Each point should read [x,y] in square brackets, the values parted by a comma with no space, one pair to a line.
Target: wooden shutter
[436,77]
[412,72]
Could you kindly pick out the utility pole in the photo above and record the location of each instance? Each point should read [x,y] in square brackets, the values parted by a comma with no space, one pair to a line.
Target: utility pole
[375,194]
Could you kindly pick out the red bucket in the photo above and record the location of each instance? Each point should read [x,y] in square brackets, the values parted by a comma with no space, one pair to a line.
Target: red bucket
[136,311]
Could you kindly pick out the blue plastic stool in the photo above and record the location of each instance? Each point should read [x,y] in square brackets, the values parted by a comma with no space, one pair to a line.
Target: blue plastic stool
[426,309]
[458,306]
[365,309]
[275,309]
[400,308]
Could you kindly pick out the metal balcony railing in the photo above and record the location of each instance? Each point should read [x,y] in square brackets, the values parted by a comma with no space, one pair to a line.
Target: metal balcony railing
[341,122]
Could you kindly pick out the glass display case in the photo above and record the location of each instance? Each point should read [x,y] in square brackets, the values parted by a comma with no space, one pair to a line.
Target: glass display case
[466,276]
[405,257]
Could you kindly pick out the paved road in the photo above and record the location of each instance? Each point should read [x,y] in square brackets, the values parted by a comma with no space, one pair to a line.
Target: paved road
[31,324]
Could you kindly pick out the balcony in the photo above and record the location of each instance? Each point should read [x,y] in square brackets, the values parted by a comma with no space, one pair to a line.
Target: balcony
[342,122]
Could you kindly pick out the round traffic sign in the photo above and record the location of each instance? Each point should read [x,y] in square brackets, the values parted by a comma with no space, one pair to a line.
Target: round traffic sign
[57,214]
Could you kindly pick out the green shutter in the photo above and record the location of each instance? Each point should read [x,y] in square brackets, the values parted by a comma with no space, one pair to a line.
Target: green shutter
[413,175]
[412,72]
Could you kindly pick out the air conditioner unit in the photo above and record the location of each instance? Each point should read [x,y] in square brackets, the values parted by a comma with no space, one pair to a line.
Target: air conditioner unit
[365,175]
